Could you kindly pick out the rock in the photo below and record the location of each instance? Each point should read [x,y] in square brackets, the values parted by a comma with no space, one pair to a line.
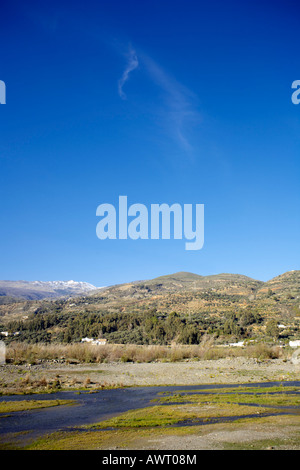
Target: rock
[73,361]
[296,357]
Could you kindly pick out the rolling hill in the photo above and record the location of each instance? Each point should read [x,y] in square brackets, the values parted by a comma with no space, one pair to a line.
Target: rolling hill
[177,307]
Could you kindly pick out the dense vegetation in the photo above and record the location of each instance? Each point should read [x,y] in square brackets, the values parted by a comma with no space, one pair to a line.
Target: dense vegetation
[143,328]
[172,309]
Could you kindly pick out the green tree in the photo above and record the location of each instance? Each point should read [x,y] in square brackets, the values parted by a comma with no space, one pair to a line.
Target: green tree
[272,329]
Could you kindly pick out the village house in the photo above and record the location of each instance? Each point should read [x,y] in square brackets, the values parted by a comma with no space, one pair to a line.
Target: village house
[98,342]
[295,344]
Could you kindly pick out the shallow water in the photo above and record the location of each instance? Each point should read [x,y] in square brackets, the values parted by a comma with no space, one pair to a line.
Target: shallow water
[97,406]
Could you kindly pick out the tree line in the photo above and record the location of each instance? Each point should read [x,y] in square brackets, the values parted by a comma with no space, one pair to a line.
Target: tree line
[149,327]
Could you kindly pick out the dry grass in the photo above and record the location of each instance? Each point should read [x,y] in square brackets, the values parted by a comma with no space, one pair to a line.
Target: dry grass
[20,353]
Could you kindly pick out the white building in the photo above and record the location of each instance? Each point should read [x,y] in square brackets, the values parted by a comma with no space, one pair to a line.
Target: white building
[98,342]
[295,344]
[87,340]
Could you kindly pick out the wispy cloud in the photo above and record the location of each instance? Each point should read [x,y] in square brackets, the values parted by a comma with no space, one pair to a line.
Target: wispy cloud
[132,64]
[178,109]
[177,105]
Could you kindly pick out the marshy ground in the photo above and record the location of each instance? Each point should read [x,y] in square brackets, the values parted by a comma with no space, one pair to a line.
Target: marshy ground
[182,418]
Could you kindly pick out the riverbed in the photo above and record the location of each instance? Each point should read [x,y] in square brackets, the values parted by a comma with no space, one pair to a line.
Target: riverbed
[90,407]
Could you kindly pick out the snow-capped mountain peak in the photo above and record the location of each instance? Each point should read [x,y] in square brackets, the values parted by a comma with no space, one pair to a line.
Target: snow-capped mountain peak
[45,289]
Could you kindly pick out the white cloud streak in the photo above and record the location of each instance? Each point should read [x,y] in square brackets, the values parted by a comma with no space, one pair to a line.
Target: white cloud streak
[132,64]
[176,109]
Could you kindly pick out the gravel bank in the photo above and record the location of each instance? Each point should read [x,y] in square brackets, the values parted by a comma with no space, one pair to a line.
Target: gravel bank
[226,371]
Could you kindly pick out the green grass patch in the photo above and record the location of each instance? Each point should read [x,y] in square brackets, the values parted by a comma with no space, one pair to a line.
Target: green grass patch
[89,440]
[162,415]
[268,396]
[147,417]
[138,427]
[26,405]
[239,389]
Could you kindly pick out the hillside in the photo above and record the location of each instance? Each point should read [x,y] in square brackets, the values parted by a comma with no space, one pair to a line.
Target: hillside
[189,281]
[287,284]
[180,307]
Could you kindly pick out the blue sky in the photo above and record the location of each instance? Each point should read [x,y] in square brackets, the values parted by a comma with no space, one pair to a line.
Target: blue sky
[162,101]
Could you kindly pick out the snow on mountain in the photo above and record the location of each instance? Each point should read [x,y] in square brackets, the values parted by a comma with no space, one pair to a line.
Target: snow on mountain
[78,285]
[35,290]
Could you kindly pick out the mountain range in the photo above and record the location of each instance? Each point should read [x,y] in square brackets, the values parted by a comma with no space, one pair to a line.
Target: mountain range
[36,290]
[224,305]
[287,283]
